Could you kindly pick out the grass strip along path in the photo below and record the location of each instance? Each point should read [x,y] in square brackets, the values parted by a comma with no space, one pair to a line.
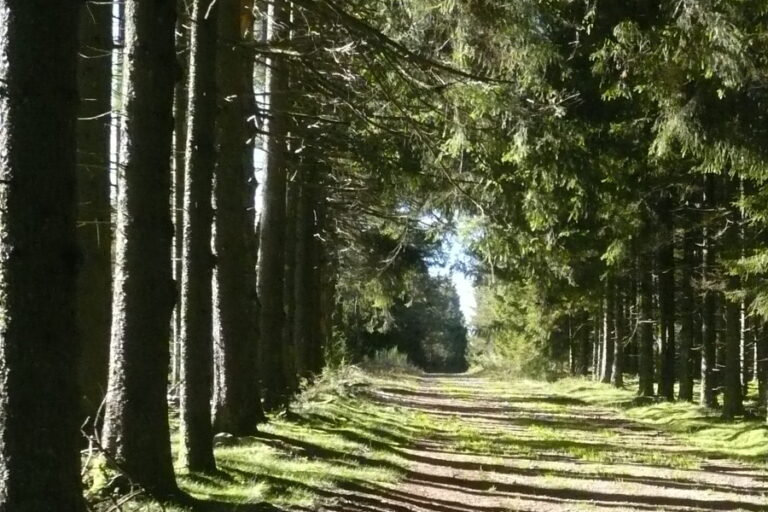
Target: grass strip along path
[442,443]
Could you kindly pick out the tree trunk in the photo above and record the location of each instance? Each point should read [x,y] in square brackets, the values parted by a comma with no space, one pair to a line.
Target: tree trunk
[645,328]
[236,400]
[94,284]
[196,323]
[585,345]
[620,329]
[324,279]
[288,344]
[136,431]
[707,397]
[609,340]
[732,398]
[39,413]
[666,268]
[685,366]
[272,236]
[181,95]
[747,349]
[596,344]
[305,268]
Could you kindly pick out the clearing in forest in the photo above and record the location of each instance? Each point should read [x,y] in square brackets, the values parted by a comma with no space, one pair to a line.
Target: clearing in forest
[442,443]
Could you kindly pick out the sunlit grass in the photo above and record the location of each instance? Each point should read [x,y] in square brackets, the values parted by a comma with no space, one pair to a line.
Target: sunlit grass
[693,426]
[355,428]
[333,437]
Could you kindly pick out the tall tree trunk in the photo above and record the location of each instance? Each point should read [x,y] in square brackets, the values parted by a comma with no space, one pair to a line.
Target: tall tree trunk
[697,338]
[39,413]
[685,366]
[630,303]
[181,95]
[272,243]
[732,397]
[197,268]
[288,345]
[708,398]
[585,345]
[733,336]
[596,344]
[94,286]
[304,267]
[666,268]
[747,349]
[236,399]
[324,279]
[609,339]
[645,328]
[136,431]
[573,346]
[620,329]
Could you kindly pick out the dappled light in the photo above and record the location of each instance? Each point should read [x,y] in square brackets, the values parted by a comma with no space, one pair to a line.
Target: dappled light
[383,256]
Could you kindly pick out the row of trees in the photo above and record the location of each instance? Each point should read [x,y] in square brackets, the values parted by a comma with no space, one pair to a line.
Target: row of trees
[632,224]
[129,219]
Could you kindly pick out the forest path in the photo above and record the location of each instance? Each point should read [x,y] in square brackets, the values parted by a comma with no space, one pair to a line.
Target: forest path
[493,446]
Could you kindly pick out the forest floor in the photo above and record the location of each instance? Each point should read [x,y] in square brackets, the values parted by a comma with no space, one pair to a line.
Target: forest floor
[442,443]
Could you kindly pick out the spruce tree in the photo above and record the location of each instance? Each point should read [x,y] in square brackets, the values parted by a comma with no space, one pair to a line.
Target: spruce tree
[39,344]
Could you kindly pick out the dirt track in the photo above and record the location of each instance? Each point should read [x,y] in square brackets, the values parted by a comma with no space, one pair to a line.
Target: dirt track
[529,450]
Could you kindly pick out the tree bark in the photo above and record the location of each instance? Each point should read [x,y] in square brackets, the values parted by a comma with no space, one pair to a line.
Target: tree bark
[181,95]
[94,233]
[596,344]
[236,398]
[747,349]
[197,268]
[609,340]
[39,413]
[620,329]
[136,431]
[272,236]
[305,268]
[685,362]
[585,345]
[288,344]
[645,328]
[732,397]
[666,268]
[708,397]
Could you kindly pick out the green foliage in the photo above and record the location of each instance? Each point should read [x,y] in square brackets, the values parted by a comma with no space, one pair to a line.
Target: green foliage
[513,331]
[388,300]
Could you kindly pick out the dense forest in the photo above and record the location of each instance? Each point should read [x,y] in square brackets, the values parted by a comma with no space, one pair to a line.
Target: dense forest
[208,205]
